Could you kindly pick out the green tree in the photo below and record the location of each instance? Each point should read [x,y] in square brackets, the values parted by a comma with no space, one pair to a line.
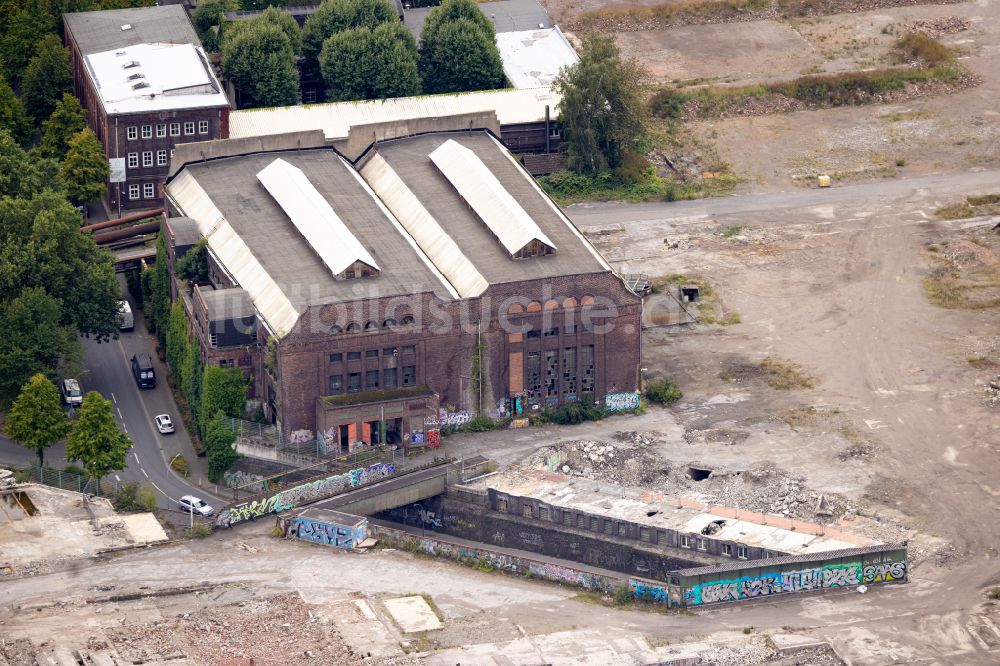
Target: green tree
[370,64]
[47,77]
[335,16]
[156,293]
[41,246]
[13,118]
[23,175]
[177,337]
[218,439]
[96,439]
[260,61]
[254,5]
[222,389]
[191,374]
[207,19]
[460,56]
[602,109]
[17,44]
[272,17]
[67,120]
[454,10]
[84,172]
[37,420]
[193,266]
[33,340]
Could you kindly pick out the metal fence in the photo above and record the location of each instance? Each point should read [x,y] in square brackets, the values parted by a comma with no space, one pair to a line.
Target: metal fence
[57,478]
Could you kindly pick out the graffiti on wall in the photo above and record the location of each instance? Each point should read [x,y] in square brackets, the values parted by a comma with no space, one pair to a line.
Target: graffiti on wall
[821,578]
[253,483]
[301,437]
[618,402]
[304,493]
[329,534]
[650,592]
[453,419]
[433,438]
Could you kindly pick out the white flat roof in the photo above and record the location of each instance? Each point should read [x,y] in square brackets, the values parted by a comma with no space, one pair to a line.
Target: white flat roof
[533,58]
[154,77]
[486,195]
[512,106]
[315,219]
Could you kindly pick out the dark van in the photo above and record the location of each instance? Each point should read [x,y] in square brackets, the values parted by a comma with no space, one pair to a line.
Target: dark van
[142,370]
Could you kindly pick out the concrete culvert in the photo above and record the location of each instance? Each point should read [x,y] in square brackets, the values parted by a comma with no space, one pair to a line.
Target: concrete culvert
[699,474]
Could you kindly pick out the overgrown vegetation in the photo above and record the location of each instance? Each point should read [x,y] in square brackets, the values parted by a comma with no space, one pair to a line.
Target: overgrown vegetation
[919,46]
[574,412]
[199,531]
[785,375]
[133,497]
[567,187]
[179,465]
[662,392]
[972,206]
[676,13]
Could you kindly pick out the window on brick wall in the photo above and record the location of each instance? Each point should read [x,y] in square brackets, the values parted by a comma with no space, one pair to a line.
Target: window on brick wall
[336,384]
[550,332]
[534,378]
[727,549]
[189,128]
[543,512]
[569,371]
[526,511]
[354,382]
[371,380]
[741,552]
[147,158]
[390,378]
[202,127]
[175,129]
[133,191]
[685,541]
[409,375]
[336,358]
[587,369]
[371,353]
[551,373]
[132,133]
[214,340]
[161,130]
[702,544]
[133,160]
[353,356]
[161,158]
[147,131]
[148,190]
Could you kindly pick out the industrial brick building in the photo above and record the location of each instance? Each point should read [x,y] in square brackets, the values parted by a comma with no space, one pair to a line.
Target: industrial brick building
[431,273]
[147,86]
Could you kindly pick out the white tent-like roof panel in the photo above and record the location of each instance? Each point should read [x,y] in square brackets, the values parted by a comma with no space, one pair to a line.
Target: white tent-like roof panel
[484,192]
[313,216]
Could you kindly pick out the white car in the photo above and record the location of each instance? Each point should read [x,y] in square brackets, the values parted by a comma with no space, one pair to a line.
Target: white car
[164,424]
[192,504]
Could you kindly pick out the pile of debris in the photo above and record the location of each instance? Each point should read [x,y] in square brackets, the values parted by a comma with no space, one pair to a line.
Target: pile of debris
[935,28]
[993,392]
[757,650]
[762,489]
[630,461]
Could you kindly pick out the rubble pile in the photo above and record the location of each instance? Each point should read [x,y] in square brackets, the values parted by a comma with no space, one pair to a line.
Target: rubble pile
[763,489]
[278,630]
[630,461]
[993,392]
[935,28]
[758,650]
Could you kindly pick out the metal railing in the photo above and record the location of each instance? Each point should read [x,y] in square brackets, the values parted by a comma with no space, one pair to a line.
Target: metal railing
[57,478]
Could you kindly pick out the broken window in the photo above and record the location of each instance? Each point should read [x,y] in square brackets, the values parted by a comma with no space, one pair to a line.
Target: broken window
[569,371]
[550,332]
[354,382]
[534,374]
[336,358]
[336,384]
[532,334]
[587,369]
[390,377]
[526,511]
[543,512]
[502,504]
[371,380]
[727,549]
[409,375]
[551,373]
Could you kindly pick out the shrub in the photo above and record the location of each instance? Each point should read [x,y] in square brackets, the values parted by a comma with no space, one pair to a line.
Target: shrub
[480,424]
[199,531]
[179,465]
[573,413]
[662,392]
[147,497]
[125,498]
[633,169]
[920,46]
[623,596]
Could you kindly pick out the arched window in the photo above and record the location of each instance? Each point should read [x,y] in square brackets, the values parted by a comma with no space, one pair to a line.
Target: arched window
[569,302]
[587,300]
[371,325]
[534,306]
[353,327]
[388,323]
[336,329]
[406,321]
[516,308]
[551,304]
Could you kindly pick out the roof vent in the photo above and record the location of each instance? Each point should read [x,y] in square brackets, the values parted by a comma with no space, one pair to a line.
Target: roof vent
[141,84]
[137,75]
[127,26]
[130,64]
[120,53]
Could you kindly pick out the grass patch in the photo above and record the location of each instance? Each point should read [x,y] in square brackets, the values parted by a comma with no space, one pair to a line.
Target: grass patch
[566,187]
[662,392]
[815,91]
[971,206]
[984,200]
[734,230]
[921,46]
[179,465]
[199,531]
[784,375]
[689,12]
[957,211]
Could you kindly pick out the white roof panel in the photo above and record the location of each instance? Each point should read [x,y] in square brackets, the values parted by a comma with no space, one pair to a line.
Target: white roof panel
[484,192]
[423,228]
[533,58]
[154,77]
[511,105]
[313,216]
[233,253]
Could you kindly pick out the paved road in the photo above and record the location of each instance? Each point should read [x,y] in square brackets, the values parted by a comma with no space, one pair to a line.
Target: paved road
[945,188]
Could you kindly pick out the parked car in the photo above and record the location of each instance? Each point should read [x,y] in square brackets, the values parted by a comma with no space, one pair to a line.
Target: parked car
[142,370]
[127,321]
[164,424]
[71,394]
[192,504]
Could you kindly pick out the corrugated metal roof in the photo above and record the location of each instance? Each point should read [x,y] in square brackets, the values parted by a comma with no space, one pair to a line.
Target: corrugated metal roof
[154,77]
[425,230]
[315,219]
[512,106]
[533,58]
[483,191]
[233,253]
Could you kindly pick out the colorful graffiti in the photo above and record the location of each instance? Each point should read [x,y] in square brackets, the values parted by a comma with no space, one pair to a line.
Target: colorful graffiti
[619,402]
[453,419]
[301,437]
[304,493]
[650,592]
[821,578]
[884,572]
[254,483]
[433,438]
[329,534]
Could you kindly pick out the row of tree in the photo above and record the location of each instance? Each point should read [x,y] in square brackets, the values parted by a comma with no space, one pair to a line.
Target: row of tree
[359,48]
